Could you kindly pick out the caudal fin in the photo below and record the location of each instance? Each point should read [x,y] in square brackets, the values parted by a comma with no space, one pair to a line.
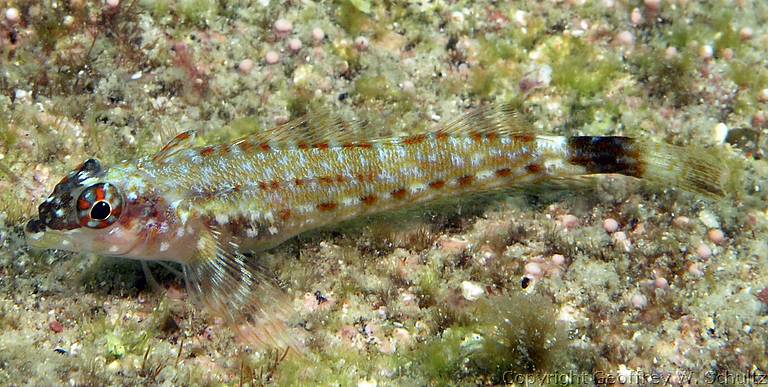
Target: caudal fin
[694,169]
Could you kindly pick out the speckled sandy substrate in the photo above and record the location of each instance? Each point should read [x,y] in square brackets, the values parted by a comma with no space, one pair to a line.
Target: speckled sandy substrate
[620,279]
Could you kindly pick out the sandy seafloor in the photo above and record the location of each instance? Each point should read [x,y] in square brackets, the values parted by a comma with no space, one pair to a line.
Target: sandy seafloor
[677,293]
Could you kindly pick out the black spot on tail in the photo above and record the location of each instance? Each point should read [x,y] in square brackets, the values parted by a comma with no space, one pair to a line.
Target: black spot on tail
[606,155]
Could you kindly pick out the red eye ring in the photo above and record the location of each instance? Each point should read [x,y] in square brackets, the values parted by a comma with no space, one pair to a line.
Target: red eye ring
[99,206]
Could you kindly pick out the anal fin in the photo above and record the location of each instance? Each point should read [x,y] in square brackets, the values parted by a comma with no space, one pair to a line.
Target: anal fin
[234,287]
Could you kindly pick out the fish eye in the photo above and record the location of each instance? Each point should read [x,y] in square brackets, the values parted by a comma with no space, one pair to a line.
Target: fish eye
[99,206]
[100,210]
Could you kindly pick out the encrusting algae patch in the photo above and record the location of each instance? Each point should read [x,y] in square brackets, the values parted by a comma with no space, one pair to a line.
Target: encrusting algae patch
[358,242]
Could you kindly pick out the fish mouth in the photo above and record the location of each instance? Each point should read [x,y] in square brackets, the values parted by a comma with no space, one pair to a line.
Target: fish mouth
[36,235]
[34,226]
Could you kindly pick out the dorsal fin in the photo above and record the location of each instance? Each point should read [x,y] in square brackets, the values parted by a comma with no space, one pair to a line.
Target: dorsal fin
[182,140]
[325,129]
[501,119]
[318,128]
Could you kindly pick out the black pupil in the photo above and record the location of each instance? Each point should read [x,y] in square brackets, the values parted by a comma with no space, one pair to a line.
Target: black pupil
[100,211]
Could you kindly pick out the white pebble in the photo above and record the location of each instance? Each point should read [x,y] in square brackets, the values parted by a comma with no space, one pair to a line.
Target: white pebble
[283,26]
[532,269]
[272,57]
[719,133]
[636,17]
[625,38]
[318,34]
[569,221]
[361,42]
[703,251]
[661,283]
[745,33]
[558,259]
[471,291]
[12,15]
[706,52]
[408,87]
[113,3]
[763,95]
[670,53]
[294,45]
[610,225]
[245,66]
[639,301]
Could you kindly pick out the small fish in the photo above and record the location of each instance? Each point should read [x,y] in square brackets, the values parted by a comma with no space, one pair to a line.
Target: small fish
[204,206]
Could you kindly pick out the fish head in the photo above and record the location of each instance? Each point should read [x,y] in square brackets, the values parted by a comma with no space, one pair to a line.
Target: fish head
[83,214]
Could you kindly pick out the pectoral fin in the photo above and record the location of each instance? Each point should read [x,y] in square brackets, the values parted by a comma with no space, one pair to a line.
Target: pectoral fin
[233,286]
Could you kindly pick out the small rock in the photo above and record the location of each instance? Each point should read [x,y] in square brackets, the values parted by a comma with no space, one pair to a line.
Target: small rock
[639,301]
[569,221]
[294,45]
[610,225]
[245,66]
[12,15]
[318,34]
[283,26]
[471,291]
[719,133]
[272,57]
[56,327]
[745,33]
[716,236]
[703,251]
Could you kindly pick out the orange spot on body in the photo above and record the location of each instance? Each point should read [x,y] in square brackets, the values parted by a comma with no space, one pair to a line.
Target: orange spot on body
[327,206]
[299,182]
[465,180]
[284,214]
[437,184]
[441,136]
[246,146]
[322,146]
[303,145]
[207,151]
[524,137]
[369,200]
[399,193]
[365,177]
[325,180]
[533,168]
[413,140]
[477,137]
[503,172]
[265,147]
[274,184]
[224,150]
